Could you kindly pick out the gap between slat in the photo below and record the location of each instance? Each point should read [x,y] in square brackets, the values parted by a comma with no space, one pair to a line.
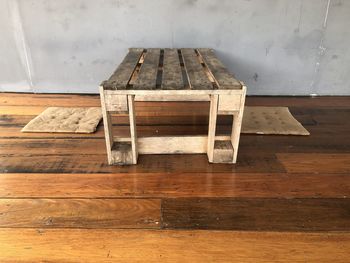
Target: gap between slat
[159,77]
[183,71]
[136,71]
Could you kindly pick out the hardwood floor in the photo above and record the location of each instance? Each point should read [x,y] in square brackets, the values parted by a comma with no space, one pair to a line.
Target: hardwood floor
[286,200]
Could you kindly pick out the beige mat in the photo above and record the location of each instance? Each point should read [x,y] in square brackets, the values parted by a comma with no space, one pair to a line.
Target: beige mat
[256,120]
[62,119]
[271,120]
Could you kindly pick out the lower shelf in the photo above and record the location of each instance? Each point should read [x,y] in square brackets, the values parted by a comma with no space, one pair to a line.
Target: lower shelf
[122,149]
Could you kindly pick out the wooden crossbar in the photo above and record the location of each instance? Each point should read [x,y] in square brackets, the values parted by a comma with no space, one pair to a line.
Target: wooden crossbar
[172,144]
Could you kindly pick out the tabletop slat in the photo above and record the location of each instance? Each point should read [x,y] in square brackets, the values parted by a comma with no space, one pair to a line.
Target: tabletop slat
[147,77]
[121,76]
[224,79]
[171,70]
[195,72]
[172,73]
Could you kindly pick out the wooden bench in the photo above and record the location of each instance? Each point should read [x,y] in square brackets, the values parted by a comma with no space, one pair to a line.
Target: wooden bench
[172,75]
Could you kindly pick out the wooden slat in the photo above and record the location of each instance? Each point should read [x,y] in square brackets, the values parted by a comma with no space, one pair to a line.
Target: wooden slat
[157,185]
[195,71]
[120,78]
[76,245]
[147,77]
[173,144]
[223,78]
[172,73]
[80,213]
[315,214]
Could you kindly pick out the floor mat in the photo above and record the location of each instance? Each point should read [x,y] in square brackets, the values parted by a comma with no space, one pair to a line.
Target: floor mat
[256,120]
[63,119]
[271,120]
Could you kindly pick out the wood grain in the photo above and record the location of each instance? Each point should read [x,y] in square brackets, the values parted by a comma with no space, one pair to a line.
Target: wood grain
[281,183]
[194,70]
[257,214]
[89,163]
[147,77]
[316,162]
[223,78]
[172,73]
[159,185]
[49,100]
[122,75]
[73,245]
[80,213]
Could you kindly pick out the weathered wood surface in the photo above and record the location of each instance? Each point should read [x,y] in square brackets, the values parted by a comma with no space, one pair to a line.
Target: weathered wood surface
[223,151]
[121,153]
[147,77]
[172,73]
[172,144]
[133,131]
[212,126]
[201,68]
[223,78]
[120,78]
[195,73]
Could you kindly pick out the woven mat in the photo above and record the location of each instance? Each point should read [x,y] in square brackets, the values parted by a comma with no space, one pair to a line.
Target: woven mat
[256,120]
[62,119]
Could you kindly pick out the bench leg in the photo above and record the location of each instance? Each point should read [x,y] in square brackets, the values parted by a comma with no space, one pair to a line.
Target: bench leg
[119,150]
[133,134]
[107,123]
[237,125]
[225,150]
[213,112]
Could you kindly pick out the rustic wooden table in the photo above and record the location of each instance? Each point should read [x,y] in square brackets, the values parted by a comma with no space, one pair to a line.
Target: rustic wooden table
[172,75]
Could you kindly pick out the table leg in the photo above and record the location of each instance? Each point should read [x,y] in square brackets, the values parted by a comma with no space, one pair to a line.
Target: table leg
[236,126]
[212,126]
[133,134]
[107,123]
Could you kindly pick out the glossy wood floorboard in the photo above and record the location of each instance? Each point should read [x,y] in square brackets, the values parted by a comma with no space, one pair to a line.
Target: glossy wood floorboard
[82,163]
[167,185]
[57,245]
[315,214]
[80,213]
[61,202]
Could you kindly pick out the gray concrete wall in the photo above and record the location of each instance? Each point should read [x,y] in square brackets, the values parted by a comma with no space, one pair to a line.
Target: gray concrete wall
[278,47]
